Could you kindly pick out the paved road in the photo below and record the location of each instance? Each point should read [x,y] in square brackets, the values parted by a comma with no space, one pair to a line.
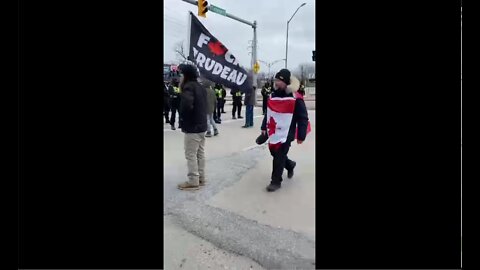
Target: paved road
[234,213]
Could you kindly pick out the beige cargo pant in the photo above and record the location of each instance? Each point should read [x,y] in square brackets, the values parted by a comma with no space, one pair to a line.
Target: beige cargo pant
[195,154]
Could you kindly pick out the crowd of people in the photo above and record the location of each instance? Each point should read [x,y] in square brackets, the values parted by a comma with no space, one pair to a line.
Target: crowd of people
[200,108]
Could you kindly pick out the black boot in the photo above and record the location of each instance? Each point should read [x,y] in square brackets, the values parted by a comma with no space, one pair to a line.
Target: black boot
[240,117]
[290,172]
[273,187]
[173,127]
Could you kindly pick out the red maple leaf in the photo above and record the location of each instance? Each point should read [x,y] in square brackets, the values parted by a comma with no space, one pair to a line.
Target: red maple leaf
[217,48]
[272,125]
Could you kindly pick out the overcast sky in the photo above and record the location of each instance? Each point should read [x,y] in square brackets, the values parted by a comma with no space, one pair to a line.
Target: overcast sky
[271,17]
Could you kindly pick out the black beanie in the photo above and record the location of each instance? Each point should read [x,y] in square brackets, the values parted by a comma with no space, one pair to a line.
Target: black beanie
[283,75]
[188,71]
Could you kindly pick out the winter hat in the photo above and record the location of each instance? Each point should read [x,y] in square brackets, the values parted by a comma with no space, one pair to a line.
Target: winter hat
[284,76]
[188,71]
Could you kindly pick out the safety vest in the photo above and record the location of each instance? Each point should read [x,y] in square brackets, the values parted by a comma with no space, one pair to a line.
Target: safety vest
[218,92]
[238,94]
[176,90]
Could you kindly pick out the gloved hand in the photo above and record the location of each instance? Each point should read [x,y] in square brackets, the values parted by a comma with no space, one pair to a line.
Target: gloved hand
[262,138]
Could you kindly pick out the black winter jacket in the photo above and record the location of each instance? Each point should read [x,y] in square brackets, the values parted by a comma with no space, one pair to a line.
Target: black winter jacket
[193,108]
[237,100]
[300,118]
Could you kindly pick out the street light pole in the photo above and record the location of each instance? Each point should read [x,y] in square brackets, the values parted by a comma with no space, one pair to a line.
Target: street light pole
[286,47]
[270,64]
[288,22]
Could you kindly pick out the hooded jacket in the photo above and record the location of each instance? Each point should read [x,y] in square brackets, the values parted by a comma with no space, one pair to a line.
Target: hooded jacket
[193,108]
[300,115]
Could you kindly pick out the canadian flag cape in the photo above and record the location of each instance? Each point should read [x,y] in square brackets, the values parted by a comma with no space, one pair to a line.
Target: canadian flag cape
[279,118]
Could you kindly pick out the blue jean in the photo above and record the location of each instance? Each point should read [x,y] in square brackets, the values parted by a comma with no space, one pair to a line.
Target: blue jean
[249,116]
[211,123]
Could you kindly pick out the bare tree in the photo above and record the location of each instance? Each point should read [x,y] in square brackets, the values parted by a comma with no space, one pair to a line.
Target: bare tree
[180,51]
[304,71]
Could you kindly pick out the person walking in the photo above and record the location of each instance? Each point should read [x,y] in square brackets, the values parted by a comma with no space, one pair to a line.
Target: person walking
[211,107]
[266,91]
[166,102]
[193,111]
[237,103]
[283,124]
[249,103]
[175,99]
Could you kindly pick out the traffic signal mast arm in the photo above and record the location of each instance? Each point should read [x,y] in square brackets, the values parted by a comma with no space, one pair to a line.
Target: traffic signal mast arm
[201,12]
[195,3]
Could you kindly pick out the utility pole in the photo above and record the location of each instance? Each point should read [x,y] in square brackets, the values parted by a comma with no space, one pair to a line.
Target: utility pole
[253,25]
[269,65]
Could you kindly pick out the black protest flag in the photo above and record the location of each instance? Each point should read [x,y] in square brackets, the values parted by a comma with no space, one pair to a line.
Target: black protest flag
[214,60]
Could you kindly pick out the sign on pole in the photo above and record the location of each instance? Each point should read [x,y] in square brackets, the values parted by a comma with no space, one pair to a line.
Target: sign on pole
[256,67]
[218,10]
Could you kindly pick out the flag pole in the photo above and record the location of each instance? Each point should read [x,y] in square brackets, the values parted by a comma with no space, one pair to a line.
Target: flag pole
[189,27]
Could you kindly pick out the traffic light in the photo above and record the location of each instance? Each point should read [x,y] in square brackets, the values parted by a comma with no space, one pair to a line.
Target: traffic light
[313,56]
[202,8]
